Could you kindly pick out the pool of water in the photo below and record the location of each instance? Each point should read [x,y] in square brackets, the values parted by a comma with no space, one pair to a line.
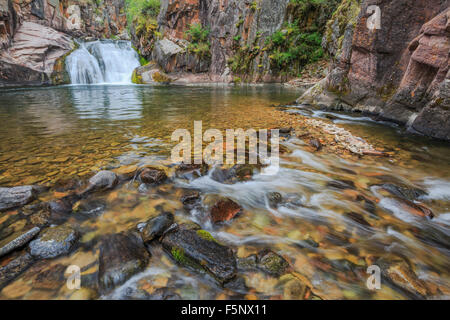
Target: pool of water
[328,235]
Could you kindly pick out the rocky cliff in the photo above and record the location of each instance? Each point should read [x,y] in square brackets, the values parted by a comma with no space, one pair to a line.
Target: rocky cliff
[36,34]
[398,70]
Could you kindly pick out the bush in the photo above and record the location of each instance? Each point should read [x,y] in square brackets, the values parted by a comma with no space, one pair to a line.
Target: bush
[198,38]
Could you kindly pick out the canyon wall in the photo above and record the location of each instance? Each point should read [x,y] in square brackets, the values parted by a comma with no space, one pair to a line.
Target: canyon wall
[399,71]
[36,34]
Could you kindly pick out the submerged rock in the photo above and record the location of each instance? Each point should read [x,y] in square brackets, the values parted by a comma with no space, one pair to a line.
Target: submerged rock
[274,199]
[190,199]
[16,196]
[121,256]
[272,263]
[17,240]
[53,242]
[90,207]
[315,143]
[341,184]
[198,250]
[15,268]
[224,210]
[156,226]
[404,192]
[152,176]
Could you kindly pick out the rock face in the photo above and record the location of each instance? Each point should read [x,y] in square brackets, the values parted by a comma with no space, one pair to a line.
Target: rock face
[197,249]
[36,35]
[399,71]
[16,196]
[121,256]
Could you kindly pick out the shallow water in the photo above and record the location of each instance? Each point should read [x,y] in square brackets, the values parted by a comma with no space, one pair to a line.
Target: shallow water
[49,134]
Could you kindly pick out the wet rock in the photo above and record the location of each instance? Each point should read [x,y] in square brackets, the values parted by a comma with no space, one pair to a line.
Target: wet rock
[404,192]
[247,263]
[341,184]
[53,242]
[416,208]
[272,263]
[224,210]
[16,196]
[156,226]
[134,294]
[237,284]
[51,279]
[293,288]
[198,250]
[404,277]
[315,143]
[90,207]
[143,188]
[126,172]
[62,206]
[17,240]
[190,199]
[83,294]
[274,199]
[15,268]
[286,132]
[121,256]
[222,175]
[64,185]
[152,176]
[103,180]
[358,218]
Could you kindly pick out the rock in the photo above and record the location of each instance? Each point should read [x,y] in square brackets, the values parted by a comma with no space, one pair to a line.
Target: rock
[274,198]
[150,74]
[272,263]
[121,256]
[315,143]
[14,268]
[402,275]
[16,196]
[152,176]
[156,226]
[126,172]
[51,278]
[53,242]
[248,263]
[190,199]
[286,132]
[103,180]
[341,184]
[164,294]
[358,218]
[83,294]
[90,207]
[224,210]
[17,240]
[407,193]
[198,250]
[294,289]
[64,205]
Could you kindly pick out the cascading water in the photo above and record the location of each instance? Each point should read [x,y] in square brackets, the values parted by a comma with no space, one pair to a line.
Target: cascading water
[103,61]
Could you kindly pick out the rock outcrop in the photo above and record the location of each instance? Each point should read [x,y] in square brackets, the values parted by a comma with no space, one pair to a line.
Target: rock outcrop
[37,35]
[399,71]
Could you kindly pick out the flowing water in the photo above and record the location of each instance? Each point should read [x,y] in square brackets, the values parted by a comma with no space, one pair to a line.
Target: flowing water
[102,61]
[329,235]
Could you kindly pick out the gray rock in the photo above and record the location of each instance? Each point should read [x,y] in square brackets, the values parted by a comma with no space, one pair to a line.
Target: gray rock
[16,196]
[17,240]
[53,242]
[121,256]
[103,180]
[272,263]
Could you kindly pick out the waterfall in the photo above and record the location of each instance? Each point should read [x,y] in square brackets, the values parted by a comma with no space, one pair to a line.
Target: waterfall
[104,61]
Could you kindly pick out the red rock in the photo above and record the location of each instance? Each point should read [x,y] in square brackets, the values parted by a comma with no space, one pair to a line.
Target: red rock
[224,210]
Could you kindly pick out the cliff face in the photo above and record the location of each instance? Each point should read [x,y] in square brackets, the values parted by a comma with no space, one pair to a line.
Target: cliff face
[399,71]
[35,34]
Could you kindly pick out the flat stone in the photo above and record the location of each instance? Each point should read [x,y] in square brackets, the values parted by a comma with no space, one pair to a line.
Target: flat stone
[16,196]
[53,242]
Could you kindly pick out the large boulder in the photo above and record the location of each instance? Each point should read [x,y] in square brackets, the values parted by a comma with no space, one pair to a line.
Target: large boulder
[16,196]
[53,242]
[121,256]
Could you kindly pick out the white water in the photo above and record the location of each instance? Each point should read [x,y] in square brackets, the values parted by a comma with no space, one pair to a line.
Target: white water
[102,62]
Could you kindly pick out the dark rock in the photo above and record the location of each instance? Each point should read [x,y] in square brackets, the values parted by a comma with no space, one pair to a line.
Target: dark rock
[90,207]
[65,185]
[274,199]
[53,242]
[152,176]
[135,294]
[341,184]
[247,263]
[63,205]
[17,240]
[15,268]
[237,284]
[315,143]
[16,196]
[164,294]
[198,250]
[286,132]
[224,210]
[190,199]
[121,256]
[407,193]
[156,226]
[272,263]
[358,218]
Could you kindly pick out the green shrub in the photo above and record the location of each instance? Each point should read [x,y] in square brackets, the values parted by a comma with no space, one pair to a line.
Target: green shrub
[198,40]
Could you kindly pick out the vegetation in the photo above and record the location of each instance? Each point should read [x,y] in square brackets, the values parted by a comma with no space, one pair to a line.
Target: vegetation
[199,44]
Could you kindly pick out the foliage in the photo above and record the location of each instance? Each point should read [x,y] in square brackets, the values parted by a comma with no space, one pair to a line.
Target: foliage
[198,37]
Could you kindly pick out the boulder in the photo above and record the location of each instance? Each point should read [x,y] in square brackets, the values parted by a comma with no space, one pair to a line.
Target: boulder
[121,256]
[198,250]
[224,210]
[16,196]
[152,176]
[150,74]
[103,180]
[53,242]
